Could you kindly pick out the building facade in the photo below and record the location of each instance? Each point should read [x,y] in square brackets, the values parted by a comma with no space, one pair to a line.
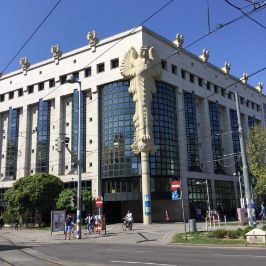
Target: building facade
[194,126]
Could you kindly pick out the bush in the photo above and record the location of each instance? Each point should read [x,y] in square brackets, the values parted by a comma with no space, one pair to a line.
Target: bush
[264,227]
[239,232]
[8,217]
[232,234]
[246,230]
[220,233]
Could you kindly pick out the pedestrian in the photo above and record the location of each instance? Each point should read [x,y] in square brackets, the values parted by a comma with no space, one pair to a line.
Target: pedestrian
[90,220]
[68,227]
[1,222]
[129,219]
[263,212]
[16,223]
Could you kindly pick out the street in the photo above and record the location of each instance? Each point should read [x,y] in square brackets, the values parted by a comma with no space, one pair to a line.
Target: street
[145,245]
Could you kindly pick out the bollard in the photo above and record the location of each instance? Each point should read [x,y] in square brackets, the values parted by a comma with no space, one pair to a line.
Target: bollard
[192,225]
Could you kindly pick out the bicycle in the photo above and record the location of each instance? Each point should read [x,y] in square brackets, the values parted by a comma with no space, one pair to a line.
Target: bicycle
[89,229]
[126,225]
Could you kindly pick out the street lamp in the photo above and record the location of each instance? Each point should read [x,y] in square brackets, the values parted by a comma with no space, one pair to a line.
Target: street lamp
[242,204]
[73,79]
[207,187]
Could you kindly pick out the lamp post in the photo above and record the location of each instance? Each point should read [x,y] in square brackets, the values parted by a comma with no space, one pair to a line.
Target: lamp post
[207,188]
[73,79]
[242,204]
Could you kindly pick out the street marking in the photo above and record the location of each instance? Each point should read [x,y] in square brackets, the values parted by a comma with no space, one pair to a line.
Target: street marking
[240,255]
[129,250]
[138,262]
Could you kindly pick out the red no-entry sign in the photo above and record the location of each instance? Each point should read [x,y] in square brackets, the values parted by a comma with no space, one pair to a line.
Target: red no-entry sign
[99,202]
[175,185]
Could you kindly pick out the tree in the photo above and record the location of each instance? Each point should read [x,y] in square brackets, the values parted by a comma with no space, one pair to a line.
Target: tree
[87,199]
[32,193]
[65,201]
[256,150]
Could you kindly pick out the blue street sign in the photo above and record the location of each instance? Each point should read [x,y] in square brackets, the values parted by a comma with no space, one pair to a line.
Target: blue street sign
[176,195]
[147,204]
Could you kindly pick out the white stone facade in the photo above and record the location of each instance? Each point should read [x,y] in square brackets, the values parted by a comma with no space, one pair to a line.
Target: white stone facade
[60,97]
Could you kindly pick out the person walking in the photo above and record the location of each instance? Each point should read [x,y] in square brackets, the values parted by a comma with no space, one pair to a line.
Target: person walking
[1,222]
[129,219]
[68,227]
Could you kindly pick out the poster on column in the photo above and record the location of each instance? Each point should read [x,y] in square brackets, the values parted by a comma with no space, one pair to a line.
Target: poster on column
[147,204]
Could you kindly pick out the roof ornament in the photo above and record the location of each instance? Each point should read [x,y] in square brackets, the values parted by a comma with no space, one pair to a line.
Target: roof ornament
[226,68]
[204,55]
[56,53]
[179,41]
[24,63]
[259,87]
[244,79]
[93,40]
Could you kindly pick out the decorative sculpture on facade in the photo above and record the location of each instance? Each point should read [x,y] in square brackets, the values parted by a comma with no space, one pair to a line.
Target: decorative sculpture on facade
[142,69]
[179,40]
[259,87]
[204,56]
[244,78]
[226,68]
[24,64]
[93,40]
[56,52]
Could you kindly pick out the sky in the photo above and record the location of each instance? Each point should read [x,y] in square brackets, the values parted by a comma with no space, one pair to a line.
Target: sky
[242,43]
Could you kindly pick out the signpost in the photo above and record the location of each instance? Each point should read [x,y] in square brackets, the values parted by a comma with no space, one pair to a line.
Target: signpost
[99,202]
[177,194]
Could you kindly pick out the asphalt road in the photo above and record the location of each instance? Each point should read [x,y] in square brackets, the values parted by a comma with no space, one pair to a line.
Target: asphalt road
[120,254]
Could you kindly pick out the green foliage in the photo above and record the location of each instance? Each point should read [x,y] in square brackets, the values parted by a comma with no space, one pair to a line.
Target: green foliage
[246,230]
[239,232]
[256,150]
[36,192]
[87,199]
[220,233]
[232,234]
[8,217]
[65,200]
[264,227]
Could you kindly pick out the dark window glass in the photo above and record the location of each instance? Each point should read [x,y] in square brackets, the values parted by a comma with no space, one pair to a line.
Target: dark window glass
[63,79]
[30,89]
[200,82]
[164,64]
[12,143]
[2,97]
[174,69]
[223,91]
[251,121]
[41,86]
[51,83]
[215,88]
[191,132]
[87,72]
[217,147]
[114,63]
[75,75]
[20,92]
[208,85]
[43,137]
[191,78]
[229,95]
[183,74]
[75,121]
[242,100]
[100,68]
[11,95]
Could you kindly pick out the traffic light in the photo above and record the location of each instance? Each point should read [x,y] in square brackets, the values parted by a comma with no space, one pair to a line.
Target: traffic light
[58,144]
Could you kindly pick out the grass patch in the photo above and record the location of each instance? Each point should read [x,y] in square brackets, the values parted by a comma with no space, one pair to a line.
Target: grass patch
[206,238]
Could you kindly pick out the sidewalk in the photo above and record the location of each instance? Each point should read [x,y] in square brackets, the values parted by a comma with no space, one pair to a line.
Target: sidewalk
[157,233]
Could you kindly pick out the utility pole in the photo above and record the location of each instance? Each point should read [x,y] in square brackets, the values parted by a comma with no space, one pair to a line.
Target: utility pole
[244,163]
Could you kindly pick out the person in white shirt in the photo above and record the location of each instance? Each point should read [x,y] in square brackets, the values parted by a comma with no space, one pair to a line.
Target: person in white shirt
[129,219]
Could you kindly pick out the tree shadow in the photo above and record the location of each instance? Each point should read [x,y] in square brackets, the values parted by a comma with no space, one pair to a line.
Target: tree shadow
[12,247]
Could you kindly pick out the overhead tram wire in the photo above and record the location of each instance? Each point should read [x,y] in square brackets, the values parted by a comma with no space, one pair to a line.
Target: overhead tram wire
[245,14]
[178,50]
[31,36]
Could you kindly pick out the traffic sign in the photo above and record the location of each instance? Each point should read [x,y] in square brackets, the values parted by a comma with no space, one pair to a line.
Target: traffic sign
[99,202]
[176,195]
[175,185]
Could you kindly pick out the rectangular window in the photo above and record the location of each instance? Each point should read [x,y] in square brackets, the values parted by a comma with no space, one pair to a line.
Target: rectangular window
[11,95]
[229,95]
[20,92]
[87,72]
[247,103]
[223,91]
[242,100]
[2,97]
[191,78]
[114,63]
[51,83]
[174,69]
[30,89]
[63,79]
[100,68]
[164,64]
[76,75]
[41,86]
[183,74]
[208,86]
[216,89]
[200,82]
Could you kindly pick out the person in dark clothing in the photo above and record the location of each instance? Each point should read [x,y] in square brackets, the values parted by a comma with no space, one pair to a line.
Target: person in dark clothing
[1,222]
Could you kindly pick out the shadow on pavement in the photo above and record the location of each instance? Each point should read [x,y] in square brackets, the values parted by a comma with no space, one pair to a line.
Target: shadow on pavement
[12,247]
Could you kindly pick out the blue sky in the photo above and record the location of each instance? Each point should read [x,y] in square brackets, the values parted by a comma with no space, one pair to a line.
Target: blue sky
[241,43]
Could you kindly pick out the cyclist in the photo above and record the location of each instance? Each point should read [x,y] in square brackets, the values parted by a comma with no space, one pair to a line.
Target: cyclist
[129,219]
[90,223]
[16,224]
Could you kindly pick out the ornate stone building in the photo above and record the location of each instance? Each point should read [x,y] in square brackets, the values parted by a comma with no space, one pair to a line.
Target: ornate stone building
[149,107]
